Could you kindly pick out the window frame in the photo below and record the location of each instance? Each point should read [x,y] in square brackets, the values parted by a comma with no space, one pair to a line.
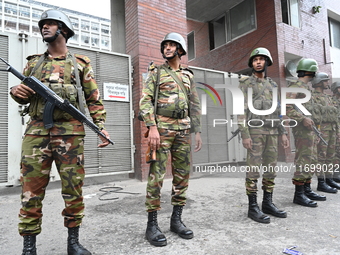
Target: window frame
[288,20]
[191,48]
[331,33]
[228,26]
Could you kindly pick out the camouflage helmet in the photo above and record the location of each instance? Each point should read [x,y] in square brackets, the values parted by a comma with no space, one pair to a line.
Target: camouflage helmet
[260,52]
[58,16]
[334,86]
[319,77]
[307,65]
[175,37]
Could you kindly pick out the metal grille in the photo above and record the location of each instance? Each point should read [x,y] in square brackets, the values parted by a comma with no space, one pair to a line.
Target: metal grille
[109,68]
[215,147]
[4,113]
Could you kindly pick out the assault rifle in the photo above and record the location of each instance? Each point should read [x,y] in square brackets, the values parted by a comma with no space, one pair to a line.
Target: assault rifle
[315,129]
[52,100]
[235,133]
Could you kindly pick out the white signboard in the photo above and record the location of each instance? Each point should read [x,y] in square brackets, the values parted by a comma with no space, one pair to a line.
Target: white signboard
[116,92]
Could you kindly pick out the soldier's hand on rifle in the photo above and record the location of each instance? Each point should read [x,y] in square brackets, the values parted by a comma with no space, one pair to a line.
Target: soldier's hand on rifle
[154,138]
[22,91]
[308,123]
[105,142]
[247,143]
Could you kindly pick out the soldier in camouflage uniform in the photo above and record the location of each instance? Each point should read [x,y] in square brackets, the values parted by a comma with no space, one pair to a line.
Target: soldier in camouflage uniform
[305,138]
[64,142]
[325,117]
[169,133]
[336,101]
[261,139]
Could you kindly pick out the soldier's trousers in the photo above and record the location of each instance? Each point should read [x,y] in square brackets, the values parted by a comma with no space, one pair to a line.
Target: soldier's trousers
[263,153]
[177,144]
[326,154]
[38,153]
[305,155]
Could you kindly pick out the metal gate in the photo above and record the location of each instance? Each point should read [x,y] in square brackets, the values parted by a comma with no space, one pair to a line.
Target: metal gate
[216,149]
[4,113]
[110,68]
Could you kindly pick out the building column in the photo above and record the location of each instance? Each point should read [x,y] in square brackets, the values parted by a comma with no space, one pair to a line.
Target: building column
[147,22]
[118,26]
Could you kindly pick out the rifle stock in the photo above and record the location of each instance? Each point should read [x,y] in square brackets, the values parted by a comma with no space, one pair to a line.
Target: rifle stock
[150,155]
[52,100]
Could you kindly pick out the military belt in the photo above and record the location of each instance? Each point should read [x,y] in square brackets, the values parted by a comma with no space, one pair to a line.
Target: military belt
[173,114]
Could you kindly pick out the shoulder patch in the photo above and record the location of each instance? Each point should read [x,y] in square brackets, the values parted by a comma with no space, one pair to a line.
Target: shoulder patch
[30,57]
[244,78]
[187,69]
[83,58]
[272,82]
[151,66]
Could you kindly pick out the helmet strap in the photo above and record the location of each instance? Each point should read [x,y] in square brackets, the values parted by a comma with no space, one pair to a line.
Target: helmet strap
[303,73]
[263,70]
[175,54]
[57,33]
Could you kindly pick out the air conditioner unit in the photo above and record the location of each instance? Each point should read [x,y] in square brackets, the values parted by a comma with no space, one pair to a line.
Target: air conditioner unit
[290,68]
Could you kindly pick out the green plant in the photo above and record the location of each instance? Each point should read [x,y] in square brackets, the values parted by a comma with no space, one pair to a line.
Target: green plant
[316,9]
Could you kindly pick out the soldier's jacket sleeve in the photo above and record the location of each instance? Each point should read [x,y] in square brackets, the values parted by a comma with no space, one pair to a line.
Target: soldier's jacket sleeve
[290,111]
[195,109]
[336,103]
[92,95]
[243,85]
[146,103]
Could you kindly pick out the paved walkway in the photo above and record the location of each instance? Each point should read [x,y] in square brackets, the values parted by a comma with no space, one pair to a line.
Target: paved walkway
[216,212]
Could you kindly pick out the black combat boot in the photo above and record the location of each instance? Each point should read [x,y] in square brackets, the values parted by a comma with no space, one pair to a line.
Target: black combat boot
[176,224]
[269,208]
[323,186]
[332,183]
[73,245]
[312,195]
[29,245]
[254,212]
[153,233]
[300,197]
[336,177]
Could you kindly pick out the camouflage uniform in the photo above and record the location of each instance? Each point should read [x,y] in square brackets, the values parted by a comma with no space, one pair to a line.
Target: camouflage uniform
[63,143]
[264,139]
[174,132]
[336,103]
[327,124]
[305,141]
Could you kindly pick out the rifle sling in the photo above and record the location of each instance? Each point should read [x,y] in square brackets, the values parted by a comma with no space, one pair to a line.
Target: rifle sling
[155,97]
[179,82]
[79,87]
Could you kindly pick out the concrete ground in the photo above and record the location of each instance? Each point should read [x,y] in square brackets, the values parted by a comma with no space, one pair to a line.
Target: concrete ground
[216,211]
